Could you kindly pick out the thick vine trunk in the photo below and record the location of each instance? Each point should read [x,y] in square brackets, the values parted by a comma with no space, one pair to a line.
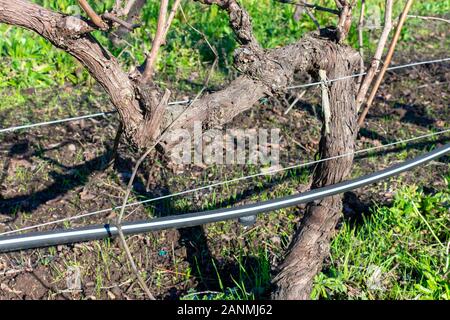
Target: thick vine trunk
[311,242]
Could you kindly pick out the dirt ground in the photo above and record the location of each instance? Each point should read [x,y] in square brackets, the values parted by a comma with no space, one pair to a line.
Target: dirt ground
[54,172]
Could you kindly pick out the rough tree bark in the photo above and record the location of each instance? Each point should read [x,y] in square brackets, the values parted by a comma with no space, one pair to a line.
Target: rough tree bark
[310,244]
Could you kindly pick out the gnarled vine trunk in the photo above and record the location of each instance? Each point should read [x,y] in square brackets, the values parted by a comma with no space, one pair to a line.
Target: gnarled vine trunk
[311,243]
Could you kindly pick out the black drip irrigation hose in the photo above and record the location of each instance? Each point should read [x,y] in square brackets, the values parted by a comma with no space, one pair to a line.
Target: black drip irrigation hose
[96,232]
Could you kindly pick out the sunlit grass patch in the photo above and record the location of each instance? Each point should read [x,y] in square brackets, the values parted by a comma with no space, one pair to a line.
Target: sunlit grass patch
[398,252]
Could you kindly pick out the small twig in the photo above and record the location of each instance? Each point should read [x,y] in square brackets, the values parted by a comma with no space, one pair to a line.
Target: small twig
[345,19]
[313,18]
[310,6]
[426,223]
[172,13]
[117,285]
[133,264]
[432,84]
[429,18]
[128,192]
[160,36]
[377,56]
[146,153]
[113,18]
[123,10]
[96,19]
[47,285]
[157,41]
[339,4]
[213,49]
[298,97]
[201,293]
[138,164]
[361,40]
[318,8]
[447,260]
[386,63]
[295,141]
[122,211]
[116,145]
[8,273]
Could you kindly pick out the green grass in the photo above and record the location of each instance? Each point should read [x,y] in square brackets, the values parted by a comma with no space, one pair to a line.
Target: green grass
[30,61]
[397,252]
[250,283]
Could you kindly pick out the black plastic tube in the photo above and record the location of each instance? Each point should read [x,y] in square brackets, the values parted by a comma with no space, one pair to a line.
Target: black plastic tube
[66,236]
